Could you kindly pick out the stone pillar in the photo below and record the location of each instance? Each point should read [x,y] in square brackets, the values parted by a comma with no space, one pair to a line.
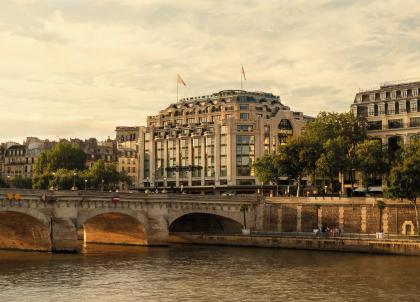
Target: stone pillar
[341,218]
[320,217]
[385,216]
[363,220]
[299,218]
[64,236]
[279,218]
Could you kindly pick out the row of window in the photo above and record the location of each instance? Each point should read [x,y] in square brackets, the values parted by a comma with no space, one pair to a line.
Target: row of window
[386,95]
[394,124]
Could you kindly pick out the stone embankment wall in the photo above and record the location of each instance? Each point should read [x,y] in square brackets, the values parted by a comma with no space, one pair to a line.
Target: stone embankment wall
[399,247]
[350,215]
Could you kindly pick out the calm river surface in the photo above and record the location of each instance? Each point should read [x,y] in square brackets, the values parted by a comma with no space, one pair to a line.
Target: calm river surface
[206,273]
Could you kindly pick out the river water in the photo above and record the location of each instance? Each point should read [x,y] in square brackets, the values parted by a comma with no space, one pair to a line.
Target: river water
[206,273]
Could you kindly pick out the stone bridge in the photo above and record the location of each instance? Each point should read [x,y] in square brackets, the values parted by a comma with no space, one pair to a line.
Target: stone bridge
[58,220]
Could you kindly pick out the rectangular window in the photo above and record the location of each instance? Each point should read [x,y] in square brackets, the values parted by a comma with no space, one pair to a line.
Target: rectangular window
[413,106]
[395,124]
[245,151]
[245,128]
[391,108]
[415,122]
[244,116]
[374,125]
[171,158]
[223,156]
[403,107]
[243,107]
[196,172]
[209,157]
[371,111]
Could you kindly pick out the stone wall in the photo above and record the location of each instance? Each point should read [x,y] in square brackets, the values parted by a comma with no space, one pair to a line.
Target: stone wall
[350,215]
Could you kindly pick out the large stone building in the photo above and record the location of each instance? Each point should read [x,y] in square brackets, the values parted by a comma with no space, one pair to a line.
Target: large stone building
[392,111]
[208,143]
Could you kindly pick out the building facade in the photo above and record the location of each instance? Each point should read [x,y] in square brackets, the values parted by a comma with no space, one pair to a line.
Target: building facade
[127,152]
[392,112]
[209,143]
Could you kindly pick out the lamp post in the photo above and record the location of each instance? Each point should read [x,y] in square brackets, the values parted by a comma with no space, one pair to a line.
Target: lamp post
[165,184]
[147,191]
[85,184]
[53,183]
[8,180]
[102,187]
[74,181]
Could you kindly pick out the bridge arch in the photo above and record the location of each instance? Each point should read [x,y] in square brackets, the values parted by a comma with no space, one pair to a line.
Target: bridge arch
[204,222]
[24,229]
[113,226]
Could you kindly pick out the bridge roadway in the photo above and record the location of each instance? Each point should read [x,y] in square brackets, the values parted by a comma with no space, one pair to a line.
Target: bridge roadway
[57,220]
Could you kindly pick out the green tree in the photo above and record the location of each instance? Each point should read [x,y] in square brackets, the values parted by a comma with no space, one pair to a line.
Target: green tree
[372,160]
[106,175]
[333,159]
[41,181]
[3,183]
[297,158]
[268,170]
[21,182]
[63,155]
[404,178]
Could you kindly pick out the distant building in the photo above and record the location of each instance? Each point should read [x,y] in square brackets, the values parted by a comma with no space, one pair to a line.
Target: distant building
[207,143]
[392,111]
[95,150]
[127,152]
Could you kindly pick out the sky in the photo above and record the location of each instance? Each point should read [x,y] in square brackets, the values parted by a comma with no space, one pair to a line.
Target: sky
[73,68]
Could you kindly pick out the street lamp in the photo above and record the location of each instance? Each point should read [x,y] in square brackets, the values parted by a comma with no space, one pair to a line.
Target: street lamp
[85,184]
[102,188]
[74,181]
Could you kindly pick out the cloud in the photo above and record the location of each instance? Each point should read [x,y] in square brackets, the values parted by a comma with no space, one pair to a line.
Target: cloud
[80,68]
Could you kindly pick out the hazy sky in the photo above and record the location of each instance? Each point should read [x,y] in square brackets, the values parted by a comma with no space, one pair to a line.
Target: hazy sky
[74,68]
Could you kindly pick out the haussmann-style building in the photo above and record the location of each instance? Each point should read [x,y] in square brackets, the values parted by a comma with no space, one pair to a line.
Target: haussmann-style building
[207,144]
[392,112]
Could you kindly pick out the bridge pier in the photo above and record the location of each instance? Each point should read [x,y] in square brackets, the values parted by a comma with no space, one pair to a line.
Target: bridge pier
[63,234]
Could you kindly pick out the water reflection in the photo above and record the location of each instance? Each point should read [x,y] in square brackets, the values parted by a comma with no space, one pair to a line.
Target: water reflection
[202,273]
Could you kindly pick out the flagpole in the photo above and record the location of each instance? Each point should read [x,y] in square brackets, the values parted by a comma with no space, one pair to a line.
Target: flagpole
[241,80]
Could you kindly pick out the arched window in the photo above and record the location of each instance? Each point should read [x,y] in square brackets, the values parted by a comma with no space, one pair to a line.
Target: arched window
[285,131]
[285,125]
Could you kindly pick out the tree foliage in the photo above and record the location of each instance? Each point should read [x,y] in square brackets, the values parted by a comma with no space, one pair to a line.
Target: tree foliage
[371,159]
[404,178]
[21,182]
[63,155]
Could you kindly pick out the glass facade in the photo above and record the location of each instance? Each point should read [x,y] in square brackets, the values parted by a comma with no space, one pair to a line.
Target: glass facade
[197,161]
[171,158]
[245,152]
[159,155]
[209,160]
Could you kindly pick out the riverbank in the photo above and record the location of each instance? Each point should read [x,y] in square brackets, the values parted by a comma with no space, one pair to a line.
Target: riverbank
[336,244]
